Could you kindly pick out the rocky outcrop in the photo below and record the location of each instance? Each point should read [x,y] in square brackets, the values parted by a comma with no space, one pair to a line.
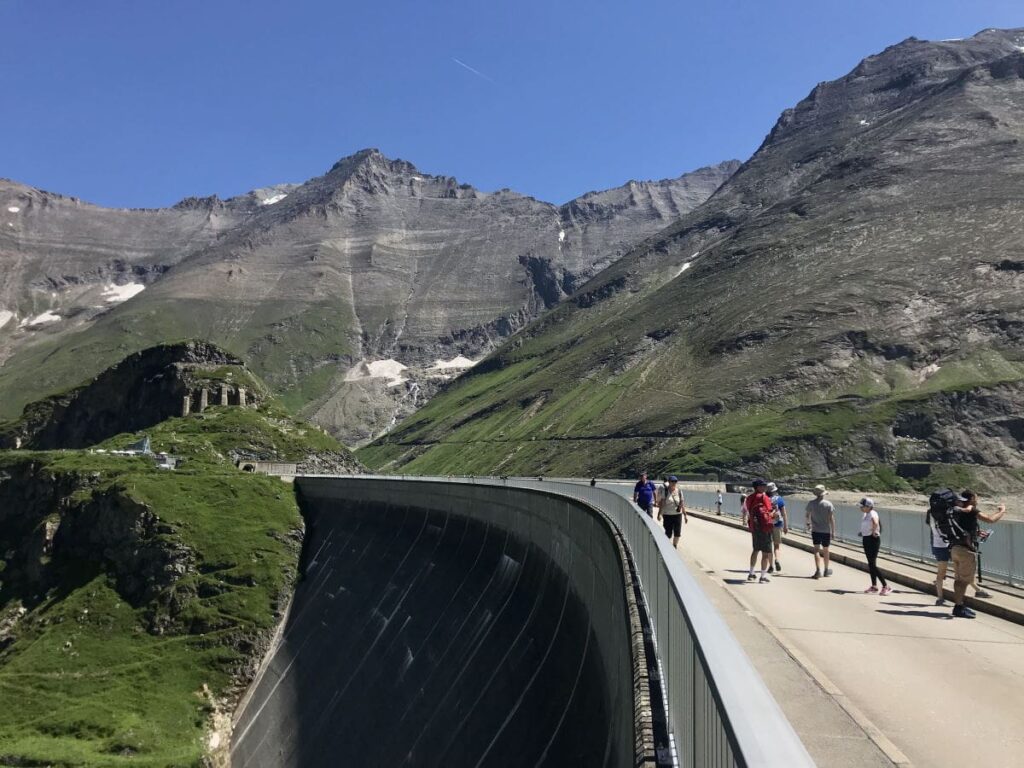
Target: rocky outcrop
[54,523]
[142,390]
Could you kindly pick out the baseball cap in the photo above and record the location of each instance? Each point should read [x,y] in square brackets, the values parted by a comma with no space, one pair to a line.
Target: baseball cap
[758,482]
[819,490]
[867,501]
[673,479]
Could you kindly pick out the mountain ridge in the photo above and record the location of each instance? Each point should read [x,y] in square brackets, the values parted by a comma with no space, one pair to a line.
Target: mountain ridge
[814,283]
[313,282]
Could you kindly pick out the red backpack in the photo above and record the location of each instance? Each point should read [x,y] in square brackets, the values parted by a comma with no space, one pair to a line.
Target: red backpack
[759,509]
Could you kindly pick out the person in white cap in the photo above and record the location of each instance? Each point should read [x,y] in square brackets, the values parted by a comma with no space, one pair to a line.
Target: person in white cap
[780,522]
[821,522]
[871,538]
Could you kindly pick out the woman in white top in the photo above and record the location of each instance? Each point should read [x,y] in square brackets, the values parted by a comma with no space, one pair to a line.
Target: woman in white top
[871,538]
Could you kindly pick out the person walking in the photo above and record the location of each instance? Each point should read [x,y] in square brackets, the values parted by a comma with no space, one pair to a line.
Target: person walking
[940,551]
[643,494]
[718,504]
[821,522]
[780,522]
[971,499]
[963,554]
[757,515]
[672,510]
[871,539]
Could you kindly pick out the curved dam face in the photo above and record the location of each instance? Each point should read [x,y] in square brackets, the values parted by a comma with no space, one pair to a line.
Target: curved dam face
[450,625]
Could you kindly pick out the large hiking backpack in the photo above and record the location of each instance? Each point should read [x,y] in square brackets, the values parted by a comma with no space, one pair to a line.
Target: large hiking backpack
[941,511]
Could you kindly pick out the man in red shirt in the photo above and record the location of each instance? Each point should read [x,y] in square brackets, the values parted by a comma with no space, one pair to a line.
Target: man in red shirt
[757,514]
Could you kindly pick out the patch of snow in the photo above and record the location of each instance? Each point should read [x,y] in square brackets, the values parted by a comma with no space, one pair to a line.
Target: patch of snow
[378,369]
[13,209]
[1020,47]
[114,294]
[40,319]
[683,268]
[5,317]
[929,370]
[455,362]
[274,199]
[864,122]
[951,40]
[695,255]
[561,235]
[417,178]
[9,224]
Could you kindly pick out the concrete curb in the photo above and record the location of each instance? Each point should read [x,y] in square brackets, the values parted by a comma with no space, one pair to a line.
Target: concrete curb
[899,576]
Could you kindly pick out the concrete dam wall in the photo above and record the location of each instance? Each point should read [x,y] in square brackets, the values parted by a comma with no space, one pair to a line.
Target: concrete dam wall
[450,625]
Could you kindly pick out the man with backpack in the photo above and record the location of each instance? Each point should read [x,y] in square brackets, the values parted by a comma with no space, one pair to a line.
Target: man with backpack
[757,515]
[955,519]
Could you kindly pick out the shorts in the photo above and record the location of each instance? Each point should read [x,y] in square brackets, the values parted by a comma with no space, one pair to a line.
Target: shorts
[673,524]
[777,535]
[965,563]
[762,541]
[821,539]
[941,554]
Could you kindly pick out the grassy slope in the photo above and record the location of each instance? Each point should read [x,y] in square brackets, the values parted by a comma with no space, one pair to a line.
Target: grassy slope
[615,421]
[92,686]
[285,344]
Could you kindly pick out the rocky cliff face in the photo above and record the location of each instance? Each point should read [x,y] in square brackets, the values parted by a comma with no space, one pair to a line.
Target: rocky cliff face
[861,268]
[355,295]
[139,392]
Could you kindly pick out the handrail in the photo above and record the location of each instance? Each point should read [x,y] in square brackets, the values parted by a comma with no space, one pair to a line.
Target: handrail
[720,711]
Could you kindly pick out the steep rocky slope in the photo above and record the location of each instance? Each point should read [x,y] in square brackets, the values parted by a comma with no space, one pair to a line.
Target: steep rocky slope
[354,295]
[848,305]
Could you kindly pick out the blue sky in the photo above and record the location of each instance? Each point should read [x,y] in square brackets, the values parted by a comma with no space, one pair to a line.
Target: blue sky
[140,103]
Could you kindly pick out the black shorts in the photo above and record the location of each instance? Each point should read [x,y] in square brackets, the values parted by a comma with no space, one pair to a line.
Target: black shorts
[673,524]
[821,539]
[762,541]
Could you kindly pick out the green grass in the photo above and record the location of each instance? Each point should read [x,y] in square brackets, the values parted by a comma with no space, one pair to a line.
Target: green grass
[88,682]
[294,347]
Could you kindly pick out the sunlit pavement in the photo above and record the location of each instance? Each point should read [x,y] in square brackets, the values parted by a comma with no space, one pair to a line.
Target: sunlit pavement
[945,691]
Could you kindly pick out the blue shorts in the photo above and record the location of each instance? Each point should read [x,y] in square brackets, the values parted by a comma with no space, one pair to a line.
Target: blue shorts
[941,554]
[821,539]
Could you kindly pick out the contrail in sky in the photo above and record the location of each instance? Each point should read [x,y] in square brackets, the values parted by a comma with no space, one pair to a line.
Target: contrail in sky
[476,72]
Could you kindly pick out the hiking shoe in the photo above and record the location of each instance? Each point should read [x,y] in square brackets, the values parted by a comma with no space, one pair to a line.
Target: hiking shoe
[751,577]
[817,575]
[778,566]
[886,590]
[982,594]
[765,579]
[870,590]
[828,571]
[941,601]
[963,612]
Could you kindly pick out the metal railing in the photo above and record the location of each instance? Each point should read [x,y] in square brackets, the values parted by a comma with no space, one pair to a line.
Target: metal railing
[904,532]
[719,710]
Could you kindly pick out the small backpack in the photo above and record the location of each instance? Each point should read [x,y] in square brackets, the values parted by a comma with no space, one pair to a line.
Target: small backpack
[942,512]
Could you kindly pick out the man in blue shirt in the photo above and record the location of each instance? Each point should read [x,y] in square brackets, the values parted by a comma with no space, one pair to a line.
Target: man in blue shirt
[780,521]
[643,494]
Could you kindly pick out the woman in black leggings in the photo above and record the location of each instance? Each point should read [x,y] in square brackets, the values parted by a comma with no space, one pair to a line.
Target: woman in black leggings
[870,536]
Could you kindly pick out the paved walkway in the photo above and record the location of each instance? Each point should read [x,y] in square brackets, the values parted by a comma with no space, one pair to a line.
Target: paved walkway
[941,691]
